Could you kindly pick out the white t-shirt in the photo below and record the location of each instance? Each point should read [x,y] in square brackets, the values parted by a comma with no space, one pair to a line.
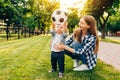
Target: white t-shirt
[55,41]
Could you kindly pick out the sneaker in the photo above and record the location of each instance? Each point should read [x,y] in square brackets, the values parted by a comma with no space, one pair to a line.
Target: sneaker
[76,63]
[51,70]
[60,75]
[81,68]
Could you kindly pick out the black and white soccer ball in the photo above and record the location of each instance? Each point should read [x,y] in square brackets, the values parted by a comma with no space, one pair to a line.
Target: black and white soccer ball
[59,17]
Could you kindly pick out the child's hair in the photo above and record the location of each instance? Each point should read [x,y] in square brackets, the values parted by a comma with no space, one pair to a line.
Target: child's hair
[78,35]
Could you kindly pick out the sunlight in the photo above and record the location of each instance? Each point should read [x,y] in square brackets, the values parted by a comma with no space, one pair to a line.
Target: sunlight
[65,4]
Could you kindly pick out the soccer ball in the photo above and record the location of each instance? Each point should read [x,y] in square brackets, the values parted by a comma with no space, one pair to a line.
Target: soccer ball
[59,16]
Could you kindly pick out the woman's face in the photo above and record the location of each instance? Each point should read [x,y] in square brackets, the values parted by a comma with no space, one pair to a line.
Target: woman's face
[83,25]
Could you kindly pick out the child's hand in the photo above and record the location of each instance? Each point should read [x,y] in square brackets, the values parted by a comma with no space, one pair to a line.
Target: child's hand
[59,46]
[65,27]
[65,24]
[53,25]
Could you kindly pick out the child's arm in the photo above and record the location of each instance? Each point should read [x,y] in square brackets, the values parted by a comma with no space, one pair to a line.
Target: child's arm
[52,30]
[65,30]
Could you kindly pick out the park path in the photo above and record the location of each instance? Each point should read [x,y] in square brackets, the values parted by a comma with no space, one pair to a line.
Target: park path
[110,54]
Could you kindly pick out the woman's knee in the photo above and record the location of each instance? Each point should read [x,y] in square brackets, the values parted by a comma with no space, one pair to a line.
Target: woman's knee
[69,54]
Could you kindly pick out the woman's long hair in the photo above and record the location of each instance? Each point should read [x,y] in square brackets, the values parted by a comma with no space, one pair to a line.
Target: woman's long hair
[90,20]
[78,35]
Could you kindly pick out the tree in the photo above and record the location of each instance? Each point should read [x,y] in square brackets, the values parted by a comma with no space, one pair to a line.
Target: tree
[42,10]
[7,13]
[113,24]
[97,8]
[73,19]
[21,14]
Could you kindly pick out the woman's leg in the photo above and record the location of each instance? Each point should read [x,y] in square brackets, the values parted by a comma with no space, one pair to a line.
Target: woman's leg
[81,57]
[76,45]
[69,54]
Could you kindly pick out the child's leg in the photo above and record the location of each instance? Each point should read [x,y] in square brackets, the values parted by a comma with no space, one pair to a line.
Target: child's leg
[54,61]
[61,61]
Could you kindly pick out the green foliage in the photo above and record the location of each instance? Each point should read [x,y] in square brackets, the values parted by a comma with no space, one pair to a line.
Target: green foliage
[7,11]
[73,19]
[113,24]
[29,59]
[97,8]
[42,10]
[31,23]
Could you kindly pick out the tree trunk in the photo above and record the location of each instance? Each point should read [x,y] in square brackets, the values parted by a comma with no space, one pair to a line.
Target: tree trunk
[25,32]
[29,32]
[103,32]
[7,33]
[18,32]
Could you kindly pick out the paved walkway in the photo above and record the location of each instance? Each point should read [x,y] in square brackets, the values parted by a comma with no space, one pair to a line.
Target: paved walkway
[110,54]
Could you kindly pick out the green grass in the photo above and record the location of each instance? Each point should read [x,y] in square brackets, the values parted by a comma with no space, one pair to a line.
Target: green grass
[111,40]
[29,59]
[11,37]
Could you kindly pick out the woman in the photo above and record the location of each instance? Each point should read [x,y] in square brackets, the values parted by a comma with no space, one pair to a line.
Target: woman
[90,43]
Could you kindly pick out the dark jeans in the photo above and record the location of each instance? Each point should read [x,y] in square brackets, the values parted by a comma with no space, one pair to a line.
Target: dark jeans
[76,56]
[57,57]
[76,45]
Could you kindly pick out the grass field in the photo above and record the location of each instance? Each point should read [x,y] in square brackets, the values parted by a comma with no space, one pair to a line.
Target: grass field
[111,40]
[29,59]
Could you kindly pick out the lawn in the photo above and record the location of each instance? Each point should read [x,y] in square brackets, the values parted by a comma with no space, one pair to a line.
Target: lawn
[111,40]
[29,59]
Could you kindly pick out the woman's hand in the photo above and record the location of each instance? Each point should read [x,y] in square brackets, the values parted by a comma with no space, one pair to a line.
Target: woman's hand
[59,46]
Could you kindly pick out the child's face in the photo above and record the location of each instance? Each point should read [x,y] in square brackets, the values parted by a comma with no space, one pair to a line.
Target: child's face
[59,29]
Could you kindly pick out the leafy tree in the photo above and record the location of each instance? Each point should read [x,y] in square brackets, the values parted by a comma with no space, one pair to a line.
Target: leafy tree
[113,24]
[42,11]
[7,13]
[97,8]
[31,24]
[21,15]
[73,19]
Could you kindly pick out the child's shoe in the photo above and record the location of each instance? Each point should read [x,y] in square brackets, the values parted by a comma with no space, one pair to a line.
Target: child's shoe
[60,75]
[51,70]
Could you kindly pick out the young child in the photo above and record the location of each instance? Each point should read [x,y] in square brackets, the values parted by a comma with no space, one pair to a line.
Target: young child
[59,34]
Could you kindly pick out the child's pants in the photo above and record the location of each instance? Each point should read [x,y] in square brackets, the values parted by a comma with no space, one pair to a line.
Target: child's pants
[57,57]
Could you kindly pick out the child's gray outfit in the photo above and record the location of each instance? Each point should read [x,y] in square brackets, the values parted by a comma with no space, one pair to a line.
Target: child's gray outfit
[57,55]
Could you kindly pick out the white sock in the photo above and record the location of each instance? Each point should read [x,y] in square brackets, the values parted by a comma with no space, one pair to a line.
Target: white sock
[76,63]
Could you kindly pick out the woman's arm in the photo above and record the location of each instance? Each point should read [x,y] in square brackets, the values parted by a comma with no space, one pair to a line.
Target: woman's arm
[61,46]
[69,49]
[69,41]
[89,45]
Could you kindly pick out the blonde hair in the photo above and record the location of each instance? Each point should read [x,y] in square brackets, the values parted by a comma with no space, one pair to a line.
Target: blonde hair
[90,20]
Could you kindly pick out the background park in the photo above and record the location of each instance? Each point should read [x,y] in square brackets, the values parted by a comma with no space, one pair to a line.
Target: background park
[25,38]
